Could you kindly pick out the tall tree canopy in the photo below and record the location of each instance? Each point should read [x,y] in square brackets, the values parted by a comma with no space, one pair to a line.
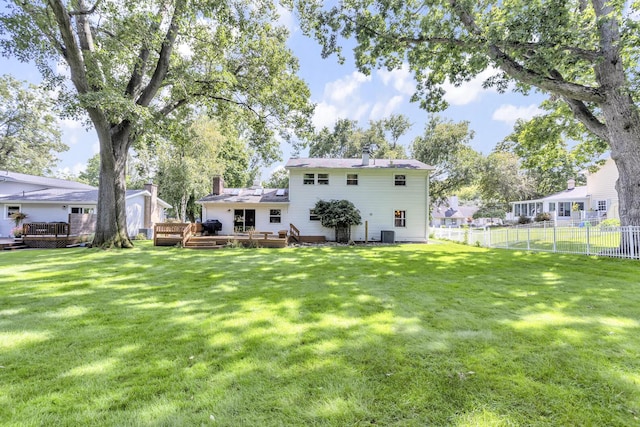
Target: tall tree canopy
[347,139]
[29,131]
[445,145]
[582,52]
[131,64]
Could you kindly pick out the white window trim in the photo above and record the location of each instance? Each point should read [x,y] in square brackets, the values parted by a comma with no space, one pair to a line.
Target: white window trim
[279,216]
[357,180]
[400,185]
[324,179]
[83,207]
[403,218]
[6,209]
[304,178]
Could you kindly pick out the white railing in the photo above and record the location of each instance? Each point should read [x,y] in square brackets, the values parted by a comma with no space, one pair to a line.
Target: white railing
[620,242]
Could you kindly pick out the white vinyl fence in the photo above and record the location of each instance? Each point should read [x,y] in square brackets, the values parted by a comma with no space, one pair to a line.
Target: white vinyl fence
[620,242]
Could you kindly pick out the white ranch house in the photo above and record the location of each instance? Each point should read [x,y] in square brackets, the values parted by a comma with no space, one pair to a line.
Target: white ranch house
[57,200]
[391,195]
[596,200]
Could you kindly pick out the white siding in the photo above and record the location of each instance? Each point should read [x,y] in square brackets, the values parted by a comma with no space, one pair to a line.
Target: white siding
[135,215]
[601,185]
[37,212]
[375,196]
[223,212]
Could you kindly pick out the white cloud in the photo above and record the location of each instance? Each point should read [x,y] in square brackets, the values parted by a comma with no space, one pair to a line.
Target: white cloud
[326,114]
[286,18]
[510,113]
[470,91]
[70,124]
[79,167]
[384,109]
[342,89]
[400,79]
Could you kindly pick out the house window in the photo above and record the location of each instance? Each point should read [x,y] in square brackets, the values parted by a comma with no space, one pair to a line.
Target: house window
[275,216]
[552,207]
[309,179]
[11,209]
[313,216]
[82,210]
[602,205]
[352,179]
[400,218]
[564,209]
[323,179]
[400,180]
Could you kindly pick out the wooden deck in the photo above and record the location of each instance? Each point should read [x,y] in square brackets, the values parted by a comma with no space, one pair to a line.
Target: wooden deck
[189,236]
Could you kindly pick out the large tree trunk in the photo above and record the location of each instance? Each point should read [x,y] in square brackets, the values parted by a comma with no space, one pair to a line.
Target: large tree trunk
[111,223]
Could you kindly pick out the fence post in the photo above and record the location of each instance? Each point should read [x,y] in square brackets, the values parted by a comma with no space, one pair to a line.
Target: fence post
[506,240]
[554,240]
[528,239]
[588,242]
[632,243]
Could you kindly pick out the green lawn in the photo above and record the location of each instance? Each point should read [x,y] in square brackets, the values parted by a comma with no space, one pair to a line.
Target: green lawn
[407,335]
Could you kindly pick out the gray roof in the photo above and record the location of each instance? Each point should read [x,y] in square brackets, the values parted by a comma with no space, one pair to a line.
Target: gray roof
[43,181]
[247,195]
[63,195]
[448,212]
[321,163]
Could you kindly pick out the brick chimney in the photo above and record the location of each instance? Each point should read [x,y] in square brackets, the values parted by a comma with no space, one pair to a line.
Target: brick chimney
[218,185]
[365,155]
[151,215]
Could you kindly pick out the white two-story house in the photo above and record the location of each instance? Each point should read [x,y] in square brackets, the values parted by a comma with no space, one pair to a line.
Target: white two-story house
[391,195]
[598,199]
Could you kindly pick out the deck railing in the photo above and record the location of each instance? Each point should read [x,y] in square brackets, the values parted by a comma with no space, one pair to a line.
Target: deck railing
[45,229]
[294,232]
[180,230]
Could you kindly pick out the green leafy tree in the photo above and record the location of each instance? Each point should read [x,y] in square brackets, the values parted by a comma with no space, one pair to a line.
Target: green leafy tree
[340,215]
[347,139]
[503,181]
[187,165]
[91,174]
[582,53]
[278,179]
[133,65]
[29,131]
[445,145]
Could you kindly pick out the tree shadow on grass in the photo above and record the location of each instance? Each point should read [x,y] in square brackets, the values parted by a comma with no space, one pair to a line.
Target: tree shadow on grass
[404,335]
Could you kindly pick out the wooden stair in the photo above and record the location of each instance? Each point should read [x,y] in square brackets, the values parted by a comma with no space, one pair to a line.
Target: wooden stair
[13,246]
[202,243]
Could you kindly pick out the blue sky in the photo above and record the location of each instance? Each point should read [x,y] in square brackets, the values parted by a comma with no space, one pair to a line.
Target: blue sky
[340,91]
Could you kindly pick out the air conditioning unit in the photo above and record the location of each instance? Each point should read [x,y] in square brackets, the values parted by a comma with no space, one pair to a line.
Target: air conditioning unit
[388,236]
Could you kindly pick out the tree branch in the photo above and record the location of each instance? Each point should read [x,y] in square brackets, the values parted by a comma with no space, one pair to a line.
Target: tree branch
[582,113]
[72,52]
[517,71]
[162,66]
[85,11]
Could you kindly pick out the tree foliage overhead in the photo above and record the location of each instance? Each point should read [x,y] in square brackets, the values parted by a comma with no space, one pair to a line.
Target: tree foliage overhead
[29,130]
[133,64]
[583,53]
[445,145]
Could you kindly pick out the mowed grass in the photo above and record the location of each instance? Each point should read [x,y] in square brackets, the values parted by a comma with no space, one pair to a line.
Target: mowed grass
[407,335]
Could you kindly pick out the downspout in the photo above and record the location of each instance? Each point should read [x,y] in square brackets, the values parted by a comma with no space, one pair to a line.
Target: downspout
[428,211]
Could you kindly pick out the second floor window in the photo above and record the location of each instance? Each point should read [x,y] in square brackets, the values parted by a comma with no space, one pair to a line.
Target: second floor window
[309,179]
[323,179]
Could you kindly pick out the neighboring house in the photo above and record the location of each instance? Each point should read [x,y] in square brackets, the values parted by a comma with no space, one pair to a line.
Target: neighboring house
[453,215]
[597,199]
[57,200]
[391,195]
